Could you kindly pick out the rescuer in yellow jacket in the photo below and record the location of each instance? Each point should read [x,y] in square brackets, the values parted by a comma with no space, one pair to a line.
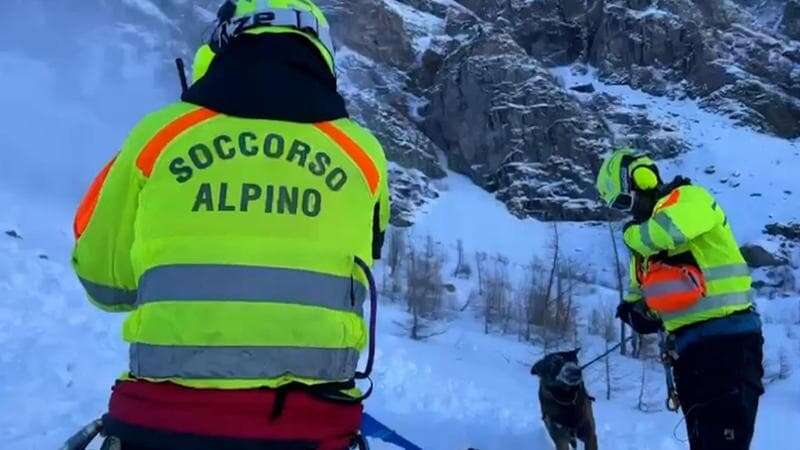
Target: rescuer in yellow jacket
[688,277]
[235,229]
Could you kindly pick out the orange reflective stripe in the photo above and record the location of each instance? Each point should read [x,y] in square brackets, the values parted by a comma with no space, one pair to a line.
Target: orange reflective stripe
[671,200]
[355,152]
[152,150]
[89,202]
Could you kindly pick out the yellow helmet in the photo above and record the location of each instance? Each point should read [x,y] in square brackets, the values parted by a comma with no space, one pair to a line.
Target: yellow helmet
[237,17]
[620,173]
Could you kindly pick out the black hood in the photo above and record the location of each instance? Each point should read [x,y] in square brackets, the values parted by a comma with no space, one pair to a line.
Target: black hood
[270,76]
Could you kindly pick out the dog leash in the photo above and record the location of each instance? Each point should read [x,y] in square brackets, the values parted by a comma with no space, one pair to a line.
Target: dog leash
[606,353]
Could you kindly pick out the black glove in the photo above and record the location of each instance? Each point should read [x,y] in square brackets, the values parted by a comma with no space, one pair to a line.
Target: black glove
[639,317]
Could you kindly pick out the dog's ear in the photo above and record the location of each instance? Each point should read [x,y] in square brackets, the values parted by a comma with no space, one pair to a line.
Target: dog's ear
[537,368]
[575,352]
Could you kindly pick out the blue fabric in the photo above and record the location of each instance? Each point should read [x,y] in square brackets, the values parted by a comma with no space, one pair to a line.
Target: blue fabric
[374,429]
[736,324]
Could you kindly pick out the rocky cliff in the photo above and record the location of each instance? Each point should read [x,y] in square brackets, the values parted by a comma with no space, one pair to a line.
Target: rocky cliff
[469,85]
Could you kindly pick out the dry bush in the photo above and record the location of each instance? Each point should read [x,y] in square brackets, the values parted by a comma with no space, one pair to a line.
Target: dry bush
[424,289]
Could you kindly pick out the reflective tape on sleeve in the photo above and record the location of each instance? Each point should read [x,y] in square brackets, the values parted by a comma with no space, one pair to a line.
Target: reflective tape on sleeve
[665,222]
[108,295]
[633,293]
[647,240]
[712,302]
[243,363]
[726,271]
[220,282]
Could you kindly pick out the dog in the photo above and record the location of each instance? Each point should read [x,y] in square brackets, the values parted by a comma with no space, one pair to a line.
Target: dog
[566,405]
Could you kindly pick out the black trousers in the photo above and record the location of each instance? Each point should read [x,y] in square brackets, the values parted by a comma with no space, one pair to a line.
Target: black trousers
[719,384]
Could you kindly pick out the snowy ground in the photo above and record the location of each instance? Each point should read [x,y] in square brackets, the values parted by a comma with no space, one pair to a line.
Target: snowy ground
[456,390]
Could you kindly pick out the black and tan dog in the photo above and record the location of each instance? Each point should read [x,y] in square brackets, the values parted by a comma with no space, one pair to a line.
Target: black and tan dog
[566,406]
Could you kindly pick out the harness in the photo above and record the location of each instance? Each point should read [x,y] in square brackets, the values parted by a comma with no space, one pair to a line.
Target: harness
[572,402]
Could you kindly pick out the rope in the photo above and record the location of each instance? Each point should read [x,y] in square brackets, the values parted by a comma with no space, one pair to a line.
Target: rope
[373,318]
[607,352]
[685,417]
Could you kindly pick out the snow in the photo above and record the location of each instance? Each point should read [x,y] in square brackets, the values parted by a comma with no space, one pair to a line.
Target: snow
[59,355]
[460,389]
[484,224]
[149,8]
[650,12]
[758,162]
[422,26]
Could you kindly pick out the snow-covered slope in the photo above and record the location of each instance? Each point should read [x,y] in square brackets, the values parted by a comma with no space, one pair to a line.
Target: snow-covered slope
[753,175]
[460,389]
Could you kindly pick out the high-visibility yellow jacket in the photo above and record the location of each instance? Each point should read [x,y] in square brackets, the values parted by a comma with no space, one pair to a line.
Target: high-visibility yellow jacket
[688,219]
[231,243]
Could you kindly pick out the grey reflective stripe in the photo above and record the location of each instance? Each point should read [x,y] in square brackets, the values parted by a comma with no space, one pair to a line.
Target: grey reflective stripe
[219,282]
[107,295]
[633,292]
[727,271]
[669,226]
[308,21]
[711,302]
[302,20]
[195,362]
[644,231]
[668,287]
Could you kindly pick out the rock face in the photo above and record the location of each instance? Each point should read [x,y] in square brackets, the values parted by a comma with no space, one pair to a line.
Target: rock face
[410,190]
[790,231]
[472,85]
[503,121]
[674,47]
[791,19]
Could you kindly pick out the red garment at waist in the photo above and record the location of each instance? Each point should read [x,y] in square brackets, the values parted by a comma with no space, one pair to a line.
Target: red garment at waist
[239,414]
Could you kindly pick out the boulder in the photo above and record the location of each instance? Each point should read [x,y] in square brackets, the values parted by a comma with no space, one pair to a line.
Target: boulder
[587,88]
[757,256]
[13,234]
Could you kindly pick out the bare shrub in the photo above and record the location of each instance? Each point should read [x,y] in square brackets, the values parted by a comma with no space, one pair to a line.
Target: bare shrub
[395,257]
[480,263]
[425,289]
[497,305]
[546,297]
[463,269]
